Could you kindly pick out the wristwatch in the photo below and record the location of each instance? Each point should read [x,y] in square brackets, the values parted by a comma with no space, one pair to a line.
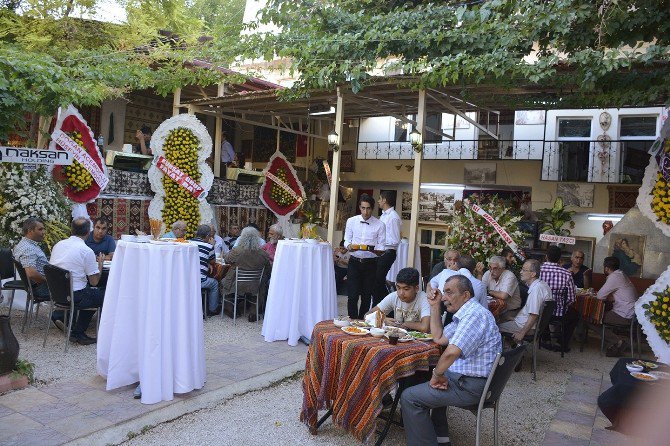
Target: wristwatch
[437,375]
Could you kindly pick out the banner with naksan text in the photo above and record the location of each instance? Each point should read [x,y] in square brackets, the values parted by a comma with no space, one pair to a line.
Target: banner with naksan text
[27,155]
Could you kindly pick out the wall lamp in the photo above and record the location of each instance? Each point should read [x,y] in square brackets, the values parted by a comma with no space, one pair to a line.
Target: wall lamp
[332,141]
[415,140]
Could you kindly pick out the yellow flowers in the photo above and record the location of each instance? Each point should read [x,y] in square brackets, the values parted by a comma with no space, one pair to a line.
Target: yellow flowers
[278,193]
[76,175]
[181,149]
[657,313]
[660,202]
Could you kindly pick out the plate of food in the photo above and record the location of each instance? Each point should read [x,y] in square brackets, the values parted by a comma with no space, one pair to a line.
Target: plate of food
[406,338]
[643,376]
[341,321]
[356,331]
[358,323]
[660,375]
[421,336]
[645,364]
[634,367]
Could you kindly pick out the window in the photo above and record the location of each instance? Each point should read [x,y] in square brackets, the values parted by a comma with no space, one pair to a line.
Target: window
[574,135]
[574,128]
[637,134]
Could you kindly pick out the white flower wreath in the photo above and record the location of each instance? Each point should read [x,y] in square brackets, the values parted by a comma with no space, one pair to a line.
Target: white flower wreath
[156,176]
[659,346]
[644,196]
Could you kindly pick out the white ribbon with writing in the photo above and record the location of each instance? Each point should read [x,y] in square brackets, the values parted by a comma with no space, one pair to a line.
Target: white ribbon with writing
[81,155]
[499,229]
[180,177]
[284,186]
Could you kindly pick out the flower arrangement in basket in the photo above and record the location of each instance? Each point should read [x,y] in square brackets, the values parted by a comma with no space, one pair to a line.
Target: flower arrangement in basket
[281,191]
[653,198]
[653,313]
[658,312]
[179,175]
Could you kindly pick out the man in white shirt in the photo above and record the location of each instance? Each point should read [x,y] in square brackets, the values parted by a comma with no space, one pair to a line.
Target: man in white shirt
[73,255]
[227,150]
[392,221]
[365,238]
[501,283]
[538,293]
[410,307]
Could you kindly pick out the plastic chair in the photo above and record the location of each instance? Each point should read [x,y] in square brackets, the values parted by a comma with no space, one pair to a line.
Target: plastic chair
[31,299]
[59,281]
[242,276]
[534,339]
[7,272]
[503,366]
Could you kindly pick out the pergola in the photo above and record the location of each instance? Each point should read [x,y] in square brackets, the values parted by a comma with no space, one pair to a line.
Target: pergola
[395,96]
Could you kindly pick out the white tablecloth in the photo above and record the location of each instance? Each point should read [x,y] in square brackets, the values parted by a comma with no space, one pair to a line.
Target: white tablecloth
[302,291]
[401,261]
[151,328]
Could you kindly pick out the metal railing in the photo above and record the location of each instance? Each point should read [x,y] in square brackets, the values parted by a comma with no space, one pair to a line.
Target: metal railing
[618,161]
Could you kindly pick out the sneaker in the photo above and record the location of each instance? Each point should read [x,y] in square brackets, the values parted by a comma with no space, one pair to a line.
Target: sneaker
[60,325]
[137,394]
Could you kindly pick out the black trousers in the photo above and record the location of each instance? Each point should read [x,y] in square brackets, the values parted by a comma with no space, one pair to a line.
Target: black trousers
[360,283]
[384,263]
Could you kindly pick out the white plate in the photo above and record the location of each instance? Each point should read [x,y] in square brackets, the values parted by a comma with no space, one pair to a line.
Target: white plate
[355,334]
[640,375]
[341,322]
[660,375]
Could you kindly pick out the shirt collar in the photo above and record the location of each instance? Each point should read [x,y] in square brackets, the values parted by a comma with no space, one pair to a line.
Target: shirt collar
[76,239]
[388,210]
[32,242]
[464,309]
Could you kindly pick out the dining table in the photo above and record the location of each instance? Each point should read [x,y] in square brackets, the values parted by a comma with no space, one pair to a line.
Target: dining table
[590,310]
[301,291]
[348,375]
[151,327]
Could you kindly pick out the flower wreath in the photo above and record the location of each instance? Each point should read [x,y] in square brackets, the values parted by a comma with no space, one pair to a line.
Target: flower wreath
[654,318]
[80,186]
[653,198]
[282,202]
[184,141]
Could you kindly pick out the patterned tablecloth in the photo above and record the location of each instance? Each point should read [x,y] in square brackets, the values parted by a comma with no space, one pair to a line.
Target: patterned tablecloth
[350,375]
[590,308]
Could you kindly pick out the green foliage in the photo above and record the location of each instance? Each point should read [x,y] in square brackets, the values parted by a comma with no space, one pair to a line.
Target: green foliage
[593,53]
[552,220]
[24,368]
[658,312]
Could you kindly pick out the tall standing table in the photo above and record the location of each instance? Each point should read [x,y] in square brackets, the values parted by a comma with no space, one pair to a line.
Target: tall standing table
[302,290]
[151,327]
[401,260]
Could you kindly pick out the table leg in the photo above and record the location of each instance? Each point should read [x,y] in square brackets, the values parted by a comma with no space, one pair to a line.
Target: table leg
[312,430]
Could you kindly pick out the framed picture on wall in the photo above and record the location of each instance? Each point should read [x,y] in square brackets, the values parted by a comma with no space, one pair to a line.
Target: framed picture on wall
[629,249]
[586,245]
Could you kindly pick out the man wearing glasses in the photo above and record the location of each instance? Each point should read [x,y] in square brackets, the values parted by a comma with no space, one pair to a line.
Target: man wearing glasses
[501,284]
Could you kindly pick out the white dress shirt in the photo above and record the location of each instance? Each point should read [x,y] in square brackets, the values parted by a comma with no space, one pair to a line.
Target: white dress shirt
[75,256]
[478,287]
[392,221]
[371,232]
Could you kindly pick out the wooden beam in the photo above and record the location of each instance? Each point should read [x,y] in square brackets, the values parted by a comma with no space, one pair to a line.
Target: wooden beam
[416,181]
[176,100]
[456,111]
[218,128]
[335,170]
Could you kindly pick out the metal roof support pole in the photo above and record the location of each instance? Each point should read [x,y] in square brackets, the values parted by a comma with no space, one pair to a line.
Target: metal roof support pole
[218,128]
[335,169]
[416,182]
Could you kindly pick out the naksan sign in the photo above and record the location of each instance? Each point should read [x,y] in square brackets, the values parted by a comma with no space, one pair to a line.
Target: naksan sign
[26,155]
[551,238]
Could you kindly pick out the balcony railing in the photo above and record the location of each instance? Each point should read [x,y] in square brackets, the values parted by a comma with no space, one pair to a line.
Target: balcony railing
[620,161]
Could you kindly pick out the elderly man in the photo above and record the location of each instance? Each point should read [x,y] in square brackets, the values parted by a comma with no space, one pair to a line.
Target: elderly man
[619,290]
[275,234]
[581,275]
[450,258]
[207,282]
[563,290]
[538,293]
[501,284]
[73,255]
[29,254]
[472,342]
[409,305]
[99,241]
[179,229]
[231,238]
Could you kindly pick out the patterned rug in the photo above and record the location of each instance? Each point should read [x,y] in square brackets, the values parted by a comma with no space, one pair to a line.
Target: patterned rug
[125,215]
[242,215]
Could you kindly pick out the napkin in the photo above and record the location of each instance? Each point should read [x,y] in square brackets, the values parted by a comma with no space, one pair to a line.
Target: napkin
[376,319]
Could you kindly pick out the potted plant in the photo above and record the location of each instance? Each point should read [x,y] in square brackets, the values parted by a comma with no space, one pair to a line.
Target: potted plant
[310,211]
[553,220]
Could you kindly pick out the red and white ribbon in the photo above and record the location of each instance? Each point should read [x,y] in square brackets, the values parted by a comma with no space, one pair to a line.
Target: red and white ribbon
[180,177]
[80,154]
[284,186]
[326,167]
[499,229]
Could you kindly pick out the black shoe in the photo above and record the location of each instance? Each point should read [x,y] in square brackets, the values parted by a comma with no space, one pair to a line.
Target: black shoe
[549,346]
[60,325]
[252,317]
[82,340]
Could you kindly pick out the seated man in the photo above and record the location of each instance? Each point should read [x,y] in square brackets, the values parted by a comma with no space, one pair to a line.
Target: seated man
[73,255]
[29,254]
[179,229]
[472,342]
[538,293]
[409,305]
[220,248]
[275,234]
[501,284]
[230,239]
[619,290]
[99,241]
[563,291]
[581,275]
[451,256]
[207,282]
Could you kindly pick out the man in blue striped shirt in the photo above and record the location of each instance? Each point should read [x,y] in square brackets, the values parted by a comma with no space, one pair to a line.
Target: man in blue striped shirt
[206,253]
[472,342]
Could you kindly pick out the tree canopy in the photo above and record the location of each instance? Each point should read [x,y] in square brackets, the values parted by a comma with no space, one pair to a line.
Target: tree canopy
[604,52]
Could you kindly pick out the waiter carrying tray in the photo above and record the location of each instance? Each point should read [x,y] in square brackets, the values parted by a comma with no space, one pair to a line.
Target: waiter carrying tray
[365,237]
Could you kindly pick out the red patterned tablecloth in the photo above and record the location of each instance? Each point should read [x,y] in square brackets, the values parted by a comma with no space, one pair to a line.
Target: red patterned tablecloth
[590,308]
[350,375]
